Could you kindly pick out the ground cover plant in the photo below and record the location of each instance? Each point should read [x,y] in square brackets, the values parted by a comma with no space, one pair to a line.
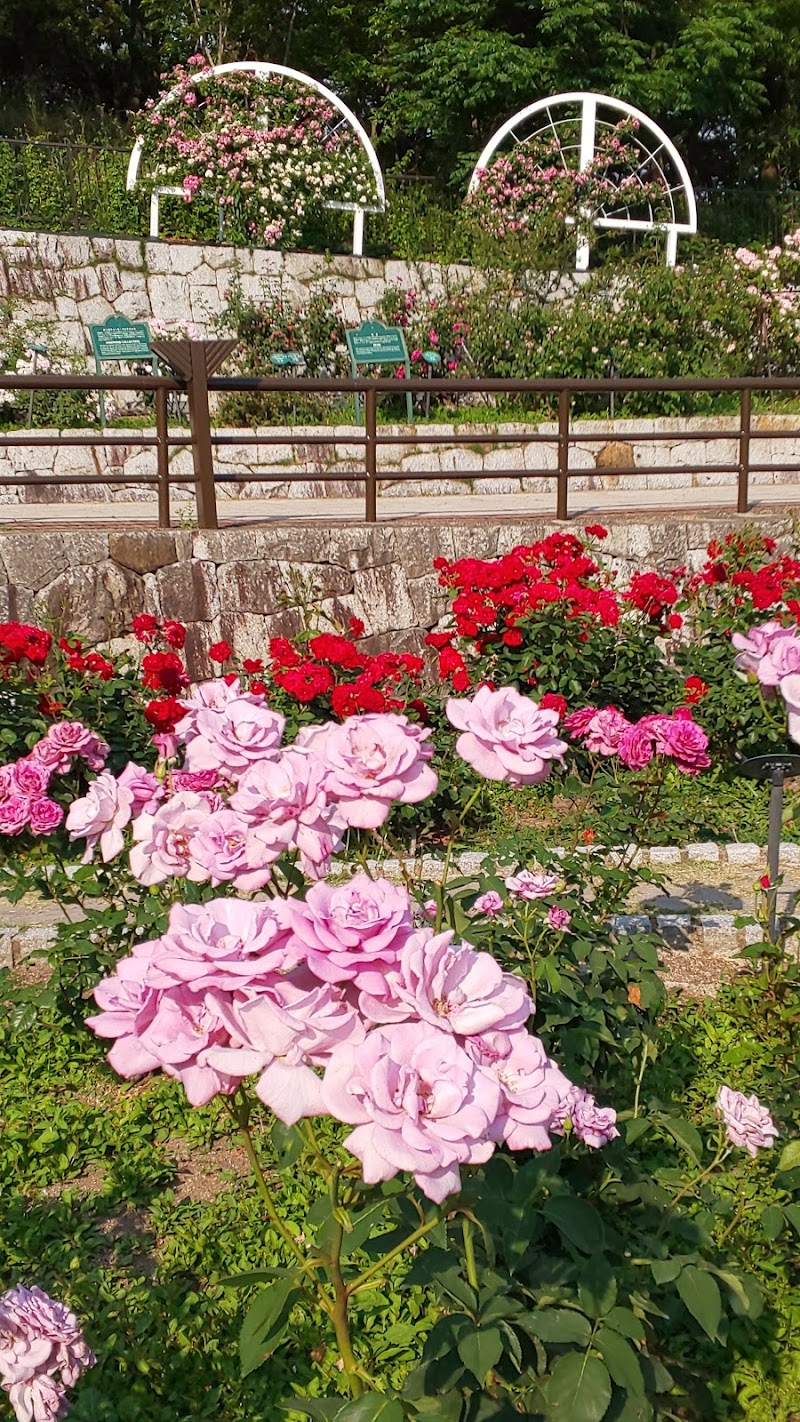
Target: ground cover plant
[452,1214]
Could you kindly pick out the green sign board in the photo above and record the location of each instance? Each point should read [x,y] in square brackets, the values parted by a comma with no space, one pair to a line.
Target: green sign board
[376,344]
[121,339]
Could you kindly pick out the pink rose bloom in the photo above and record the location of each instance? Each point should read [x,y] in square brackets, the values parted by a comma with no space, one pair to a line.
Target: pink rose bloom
[14,814]
[166,744]
[418,1102]
[575,724]
[685,742]
[768,653]
[8,786]
[282,1034]
[285,801]
[506,736]
[531,1085]
[214,695]
[229,851]
[227,944]
[605,731]
[455,988]
[352,932]
[636,748]
[163,847]
[194,780]
[66,739]
[747,1122]
[233,738]
[558,918]
[101,816]
[42,1352]
[528,886]
[171,1029]
[592,1124]
[372,762]
[45,815]
[145,789]
[790,691]
[490,904]
[30,777]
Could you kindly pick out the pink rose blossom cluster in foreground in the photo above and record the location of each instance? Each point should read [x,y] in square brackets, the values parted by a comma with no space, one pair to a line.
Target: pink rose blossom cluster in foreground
[506,736]
[338,1004]
[24,783]
[242,800]
[607,732]
[771,653]
[748,1123]
[42,1353]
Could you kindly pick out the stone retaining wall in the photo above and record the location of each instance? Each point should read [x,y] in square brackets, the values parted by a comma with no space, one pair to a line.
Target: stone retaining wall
[79,281]
[464,468]
[247,584]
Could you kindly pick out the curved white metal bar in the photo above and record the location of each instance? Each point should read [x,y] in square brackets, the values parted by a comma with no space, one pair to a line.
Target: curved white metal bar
[263,70]
[592,102]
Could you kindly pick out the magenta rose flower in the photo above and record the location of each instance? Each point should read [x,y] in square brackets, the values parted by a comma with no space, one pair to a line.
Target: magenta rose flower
[747,1122]
[506,736]
[418,1102]
[100,817]
[637,746]
[145,789]
[42,1353]
[14,814]
[532,1087]
[528,886]
[680,738]
[45,815]
[232,738]
[66,739]
[455,988]
[558,918]
[489,904]
[577,721]
[226,944]
[31,778]
[283,1034]
[352,932]
[228,849]
[372,762]
[605,731]
[285,801]
[592,1124]
[8,785]
[163,841]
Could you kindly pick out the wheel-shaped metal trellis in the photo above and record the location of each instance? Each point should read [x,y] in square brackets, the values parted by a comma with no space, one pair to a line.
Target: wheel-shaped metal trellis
[576,121]
[267,72]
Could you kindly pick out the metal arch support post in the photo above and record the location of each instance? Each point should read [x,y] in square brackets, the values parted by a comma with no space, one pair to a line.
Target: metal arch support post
[774,849]
[672,246]
[154,204]
[358,232]
[588,131]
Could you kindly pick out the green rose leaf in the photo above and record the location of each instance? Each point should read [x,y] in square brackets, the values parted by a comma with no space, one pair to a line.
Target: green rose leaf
[577,1220]
[265,1323]
[480,1350]
[578,1389]
[701,1295]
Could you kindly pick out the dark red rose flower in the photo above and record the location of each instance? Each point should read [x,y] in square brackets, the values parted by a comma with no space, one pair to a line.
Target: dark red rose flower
[164,671]
[252,666]
[306,681]
[165,714]
[552,701]
[220,652]
[596,530]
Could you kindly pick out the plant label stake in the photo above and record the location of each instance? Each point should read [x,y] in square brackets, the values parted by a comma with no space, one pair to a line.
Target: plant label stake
[777,769]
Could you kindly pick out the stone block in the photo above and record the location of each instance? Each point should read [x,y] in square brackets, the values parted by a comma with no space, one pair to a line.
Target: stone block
[703,853]
[790,853]
[743,853]
[33,559]
[381,598]
[188,591]
[94,602]
[675,929]
[144,552]
[719,934]
[664,854]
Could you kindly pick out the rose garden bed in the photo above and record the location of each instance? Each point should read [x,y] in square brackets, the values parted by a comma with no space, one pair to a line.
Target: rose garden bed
[449,1214]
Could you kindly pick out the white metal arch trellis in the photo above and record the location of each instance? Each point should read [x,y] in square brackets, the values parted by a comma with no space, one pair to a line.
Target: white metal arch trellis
[659,154]
[263,70]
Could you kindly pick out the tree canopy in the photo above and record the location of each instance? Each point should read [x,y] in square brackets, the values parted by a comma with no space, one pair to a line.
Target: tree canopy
[432,78]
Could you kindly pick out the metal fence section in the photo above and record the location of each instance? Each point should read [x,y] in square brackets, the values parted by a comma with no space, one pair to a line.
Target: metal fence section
[203,437]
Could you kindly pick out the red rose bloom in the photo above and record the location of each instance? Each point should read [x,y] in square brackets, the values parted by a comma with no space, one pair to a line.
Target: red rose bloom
[145,627]
[164,715]
[675,621]
[98,665]
[596,530]
[220,652]
[252,666]
[513,637]
[306,681]
[694,690]
[356,626]
[21,642]
[552,701]
[282,653]
[354,699]
[460,680]
[329,647]
[174,634]
[438,640]
[164,671]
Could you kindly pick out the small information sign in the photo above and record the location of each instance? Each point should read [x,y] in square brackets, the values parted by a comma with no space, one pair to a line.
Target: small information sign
[375,344]
[121,339]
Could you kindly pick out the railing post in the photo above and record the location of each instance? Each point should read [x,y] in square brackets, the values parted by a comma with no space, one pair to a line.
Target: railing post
[371,454]
[162,457]
[562,487]
[743,495]
[200,421]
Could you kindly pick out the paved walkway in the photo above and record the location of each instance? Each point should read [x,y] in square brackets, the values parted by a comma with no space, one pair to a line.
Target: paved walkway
[233,512]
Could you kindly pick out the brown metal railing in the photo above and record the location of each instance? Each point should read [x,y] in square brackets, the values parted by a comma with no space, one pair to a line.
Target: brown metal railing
[202,438]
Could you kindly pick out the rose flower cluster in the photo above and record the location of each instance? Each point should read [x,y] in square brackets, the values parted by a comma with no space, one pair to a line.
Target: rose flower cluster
[24,783]
[42,1353]
[607,732]
[241,800]
[340,1005]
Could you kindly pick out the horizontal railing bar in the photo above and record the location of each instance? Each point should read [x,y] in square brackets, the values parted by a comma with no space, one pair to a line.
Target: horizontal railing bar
[89,382]
[420,386]
[76,441]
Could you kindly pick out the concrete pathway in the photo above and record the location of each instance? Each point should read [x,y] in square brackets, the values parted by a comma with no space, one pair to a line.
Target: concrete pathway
[399,508]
